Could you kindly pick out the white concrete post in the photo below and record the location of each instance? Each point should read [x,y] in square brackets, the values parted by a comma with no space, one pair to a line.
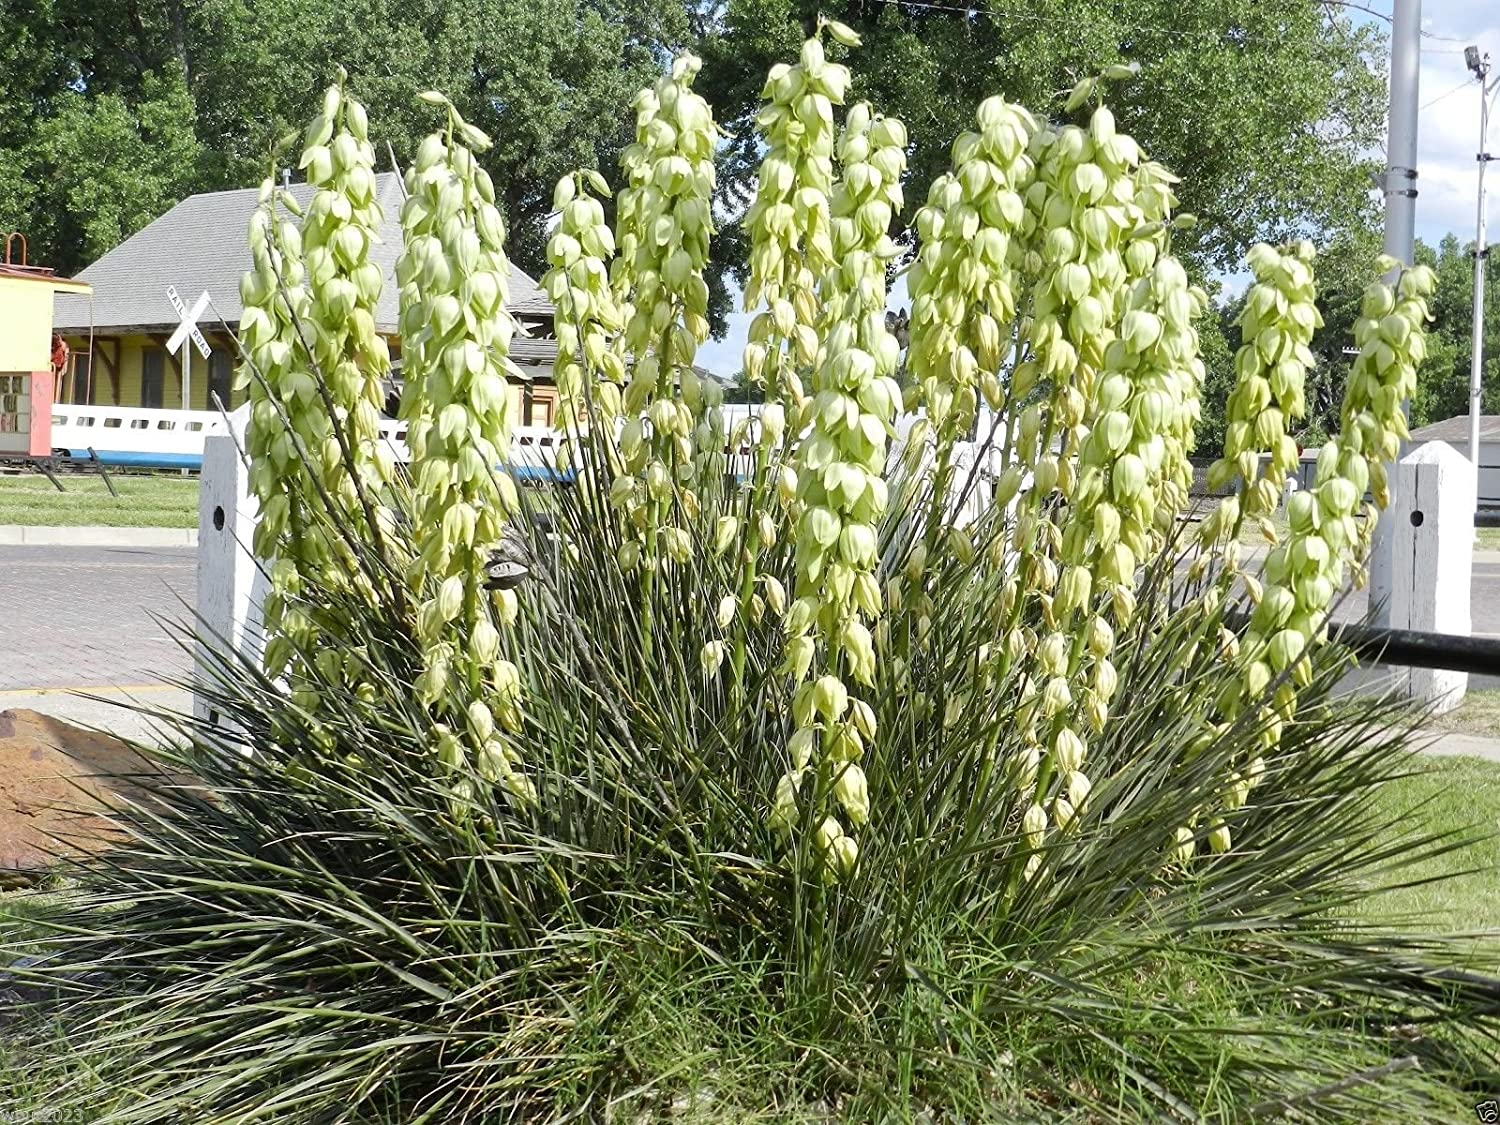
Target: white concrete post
[230,584]
[1431,522]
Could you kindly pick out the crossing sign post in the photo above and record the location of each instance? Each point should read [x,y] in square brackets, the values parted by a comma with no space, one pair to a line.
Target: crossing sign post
[188,330]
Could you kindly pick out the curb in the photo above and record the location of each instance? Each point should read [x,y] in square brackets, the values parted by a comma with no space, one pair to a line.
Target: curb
[13,535]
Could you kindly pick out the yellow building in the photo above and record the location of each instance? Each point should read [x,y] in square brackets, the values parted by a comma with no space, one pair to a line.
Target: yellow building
[29,356]
[119,334]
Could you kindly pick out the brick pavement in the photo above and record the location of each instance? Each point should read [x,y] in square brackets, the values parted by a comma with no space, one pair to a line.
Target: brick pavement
[78,617]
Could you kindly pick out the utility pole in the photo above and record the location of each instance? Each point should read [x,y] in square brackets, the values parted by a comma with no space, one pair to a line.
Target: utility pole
[1400,186]
[1480,66]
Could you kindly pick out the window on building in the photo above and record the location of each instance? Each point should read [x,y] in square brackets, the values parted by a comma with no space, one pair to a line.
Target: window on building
[536,407]
[153,377]
[15,413]
[220,378]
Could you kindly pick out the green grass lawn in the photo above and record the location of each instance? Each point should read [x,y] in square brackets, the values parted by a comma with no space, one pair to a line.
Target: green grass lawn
[1488,538]
[144,501]
[1455,793]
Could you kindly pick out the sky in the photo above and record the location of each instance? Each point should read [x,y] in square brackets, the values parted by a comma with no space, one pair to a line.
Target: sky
[1448,124]
[1447,140]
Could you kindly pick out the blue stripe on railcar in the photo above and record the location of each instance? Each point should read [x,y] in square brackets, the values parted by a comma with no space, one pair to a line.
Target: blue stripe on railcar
[116,457]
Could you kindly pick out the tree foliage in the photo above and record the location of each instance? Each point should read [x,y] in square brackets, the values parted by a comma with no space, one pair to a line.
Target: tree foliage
[110,111]
[1344,268]
[1267,110]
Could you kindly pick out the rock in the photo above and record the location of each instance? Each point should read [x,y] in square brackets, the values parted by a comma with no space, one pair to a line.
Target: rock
[57,785]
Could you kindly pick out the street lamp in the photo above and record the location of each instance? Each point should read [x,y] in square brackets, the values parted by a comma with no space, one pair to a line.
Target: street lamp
[1479,66]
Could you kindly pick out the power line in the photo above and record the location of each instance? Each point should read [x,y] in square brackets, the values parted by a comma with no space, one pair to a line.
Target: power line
[1449,94]
[1387,17]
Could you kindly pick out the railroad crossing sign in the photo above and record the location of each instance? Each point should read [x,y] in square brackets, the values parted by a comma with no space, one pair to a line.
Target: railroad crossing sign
[188,329]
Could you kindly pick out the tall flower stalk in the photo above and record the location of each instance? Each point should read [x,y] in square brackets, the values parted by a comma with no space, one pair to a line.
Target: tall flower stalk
[663,227]
[843,496]
[317,364]
[457,405]
[791,249]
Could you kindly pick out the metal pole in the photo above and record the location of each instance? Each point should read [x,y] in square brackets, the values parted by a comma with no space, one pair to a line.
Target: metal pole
[1400,186]
[1476,361]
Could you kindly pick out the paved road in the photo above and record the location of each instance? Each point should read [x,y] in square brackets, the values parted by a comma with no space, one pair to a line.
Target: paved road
[76,617]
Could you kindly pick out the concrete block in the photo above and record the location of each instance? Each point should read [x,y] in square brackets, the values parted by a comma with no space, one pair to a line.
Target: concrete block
[1431,535]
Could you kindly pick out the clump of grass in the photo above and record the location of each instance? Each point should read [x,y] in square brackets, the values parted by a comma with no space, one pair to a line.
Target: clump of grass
[143,501]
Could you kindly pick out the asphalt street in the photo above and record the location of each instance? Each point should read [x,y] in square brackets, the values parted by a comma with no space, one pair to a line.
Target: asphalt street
[95,618]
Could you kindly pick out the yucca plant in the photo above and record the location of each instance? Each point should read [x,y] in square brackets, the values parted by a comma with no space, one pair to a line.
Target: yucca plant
[778,790]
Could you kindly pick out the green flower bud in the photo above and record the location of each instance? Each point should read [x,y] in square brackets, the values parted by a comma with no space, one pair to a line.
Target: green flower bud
[1034,826]
[843,854]
[1183,845]
[728,605]
[1067,750]
[1079,788]
[1062,811]
[784,807]
[1101,637]
[711,656]
[852,791]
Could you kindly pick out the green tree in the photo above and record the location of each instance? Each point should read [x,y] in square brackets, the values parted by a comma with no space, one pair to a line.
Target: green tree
[1267,109]
[1443,384]
[549,80]
[1344,267]
[109,166]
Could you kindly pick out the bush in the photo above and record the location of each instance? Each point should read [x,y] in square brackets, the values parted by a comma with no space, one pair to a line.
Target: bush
[764,796]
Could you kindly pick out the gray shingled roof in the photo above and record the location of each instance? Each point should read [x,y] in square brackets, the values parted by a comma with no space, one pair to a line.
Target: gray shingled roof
[200,244]
[1455,430]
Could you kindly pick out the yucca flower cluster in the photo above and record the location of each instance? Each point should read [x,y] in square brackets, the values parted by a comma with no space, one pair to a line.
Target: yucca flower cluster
[1126,495]
[963,284]
[663,227]
[791,249]
[457,405]
[283,409]
[1325,541]
[1104,328]
[310,303]
[1277,325]
[789,222]
[842,489]
[1303,575]
[588,317]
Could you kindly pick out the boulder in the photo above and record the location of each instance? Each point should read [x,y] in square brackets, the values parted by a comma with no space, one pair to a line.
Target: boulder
[58,783]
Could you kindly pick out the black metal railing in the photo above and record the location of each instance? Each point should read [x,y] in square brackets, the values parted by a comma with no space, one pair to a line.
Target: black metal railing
[1408,648]
[1412,648]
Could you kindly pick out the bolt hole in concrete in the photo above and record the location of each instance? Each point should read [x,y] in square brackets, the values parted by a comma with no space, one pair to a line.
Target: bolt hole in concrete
[219,518]
[1416,519]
